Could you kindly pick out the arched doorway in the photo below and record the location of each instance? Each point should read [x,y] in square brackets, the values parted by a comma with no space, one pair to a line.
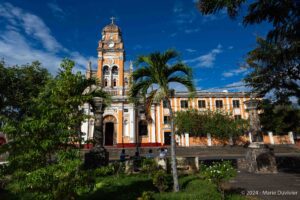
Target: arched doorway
[110,130]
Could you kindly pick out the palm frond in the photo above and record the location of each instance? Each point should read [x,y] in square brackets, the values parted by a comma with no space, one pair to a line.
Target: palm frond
[140,73]
[169,55]
[139,88]
[179,67]
[185,81]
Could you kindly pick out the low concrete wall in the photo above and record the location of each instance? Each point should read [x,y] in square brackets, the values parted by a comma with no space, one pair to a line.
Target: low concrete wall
[241,140]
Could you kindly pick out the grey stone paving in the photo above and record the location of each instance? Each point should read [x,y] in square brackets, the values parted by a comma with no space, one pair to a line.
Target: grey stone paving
[278,186]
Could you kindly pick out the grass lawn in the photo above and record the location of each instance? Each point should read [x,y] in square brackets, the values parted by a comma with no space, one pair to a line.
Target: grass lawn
[132,186]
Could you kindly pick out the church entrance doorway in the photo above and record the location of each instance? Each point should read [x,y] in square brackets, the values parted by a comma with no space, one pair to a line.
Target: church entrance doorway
[110,130]
[167,138]
[109,133]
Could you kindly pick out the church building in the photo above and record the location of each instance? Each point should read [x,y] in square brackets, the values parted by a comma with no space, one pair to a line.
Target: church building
[124,124]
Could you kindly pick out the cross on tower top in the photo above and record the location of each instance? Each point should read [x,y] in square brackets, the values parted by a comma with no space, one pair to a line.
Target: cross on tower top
[112,20]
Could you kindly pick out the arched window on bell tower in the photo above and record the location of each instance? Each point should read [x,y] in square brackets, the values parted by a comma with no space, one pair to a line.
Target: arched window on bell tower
[114,82]
[114,70]
[105,70]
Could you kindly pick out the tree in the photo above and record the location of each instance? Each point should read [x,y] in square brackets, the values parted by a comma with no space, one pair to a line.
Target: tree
[219,124]
[18,86]
[275,60]
[44,155]
[155,70]
[280,119]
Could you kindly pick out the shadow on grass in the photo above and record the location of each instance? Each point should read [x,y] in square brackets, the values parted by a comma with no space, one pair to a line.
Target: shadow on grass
[115,190]
[185,180]
[6,195]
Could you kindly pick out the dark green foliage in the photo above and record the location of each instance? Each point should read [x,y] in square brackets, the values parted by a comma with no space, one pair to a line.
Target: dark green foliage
[192,188]
[275,60]
[161,180]
[123,187]
[219,173]
[147,195]
[218,124]
[44,155]
[280,119]
[18,86]
[138,186]
[149,166]
[105,171]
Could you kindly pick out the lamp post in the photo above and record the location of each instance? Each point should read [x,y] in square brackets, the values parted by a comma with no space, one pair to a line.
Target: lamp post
[259,158]
[98,130]
[251,106]
[98,156]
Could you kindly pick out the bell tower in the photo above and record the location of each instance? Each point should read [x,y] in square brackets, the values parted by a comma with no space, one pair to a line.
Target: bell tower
[111,58]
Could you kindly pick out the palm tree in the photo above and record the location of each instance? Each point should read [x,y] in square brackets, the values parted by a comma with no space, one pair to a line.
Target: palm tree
[156,72]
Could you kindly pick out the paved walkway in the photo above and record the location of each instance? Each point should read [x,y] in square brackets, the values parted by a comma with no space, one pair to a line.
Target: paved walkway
[268,186]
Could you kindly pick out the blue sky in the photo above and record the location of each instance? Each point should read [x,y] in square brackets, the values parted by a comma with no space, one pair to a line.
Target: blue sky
[214,46]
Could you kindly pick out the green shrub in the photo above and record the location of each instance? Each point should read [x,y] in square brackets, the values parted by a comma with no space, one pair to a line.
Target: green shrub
[149,166]
[147,195]
[193,189]
[161,180]
[63,180]
[105,171]
[219,173]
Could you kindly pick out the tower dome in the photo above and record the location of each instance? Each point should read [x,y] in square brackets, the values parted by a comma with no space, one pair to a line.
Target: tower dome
[112,27]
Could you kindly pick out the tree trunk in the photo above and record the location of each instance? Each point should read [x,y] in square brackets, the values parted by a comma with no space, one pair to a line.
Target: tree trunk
[173,150]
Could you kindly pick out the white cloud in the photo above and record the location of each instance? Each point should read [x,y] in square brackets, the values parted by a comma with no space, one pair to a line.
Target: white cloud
[27,38]
[179,87]
[238,86]
[206,60]
[56,10]
[31,24]
[183,16]
[137,47]
[188,31]
[178,7]
[190,50]
[235,72]
[173,34]
[230,47]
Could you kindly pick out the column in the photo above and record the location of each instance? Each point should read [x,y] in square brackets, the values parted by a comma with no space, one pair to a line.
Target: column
[271,137]
[153,114]
[250,137]
[158,123]
[291,136]
[208,139]
[132,123]
[187,139]
[230,140]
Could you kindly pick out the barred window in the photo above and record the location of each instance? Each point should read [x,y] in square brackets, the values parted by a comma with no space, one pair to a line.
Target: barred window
[237,117]
[219,103]
[236,103]
[184,104]
[143,127]
[166,119]
[201,104]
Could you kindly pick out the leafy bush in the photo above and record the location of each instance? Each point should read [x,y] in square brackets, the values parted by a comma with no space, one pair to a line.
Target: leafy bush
[218,173]
[149,166]
[63,180]
[147,195]
[105,171]
[219,124]
[161,180]
[192,188]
